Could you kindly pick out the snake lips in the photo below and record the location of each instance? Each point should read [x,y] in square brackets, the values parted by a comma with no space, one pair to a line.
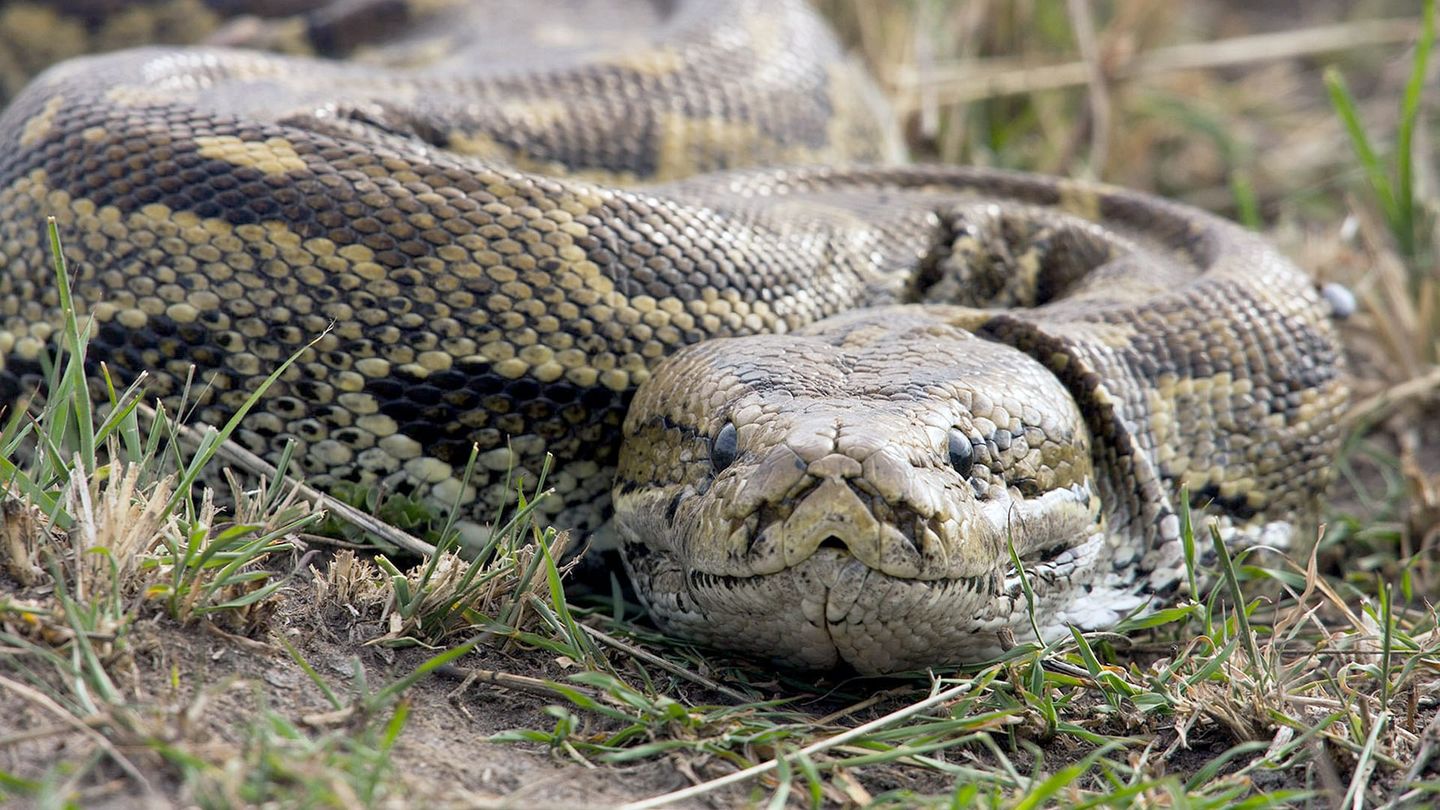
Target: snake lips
[849,494]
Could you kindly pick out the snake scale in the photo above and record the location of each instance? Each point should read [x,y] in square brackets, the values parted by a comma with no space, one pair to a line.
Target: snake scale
[818,408]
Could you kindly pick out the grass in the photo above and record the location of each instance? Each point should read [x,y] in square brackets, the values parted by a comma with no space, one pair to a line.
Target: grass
[1311,681]
[112,522]
[1394,190]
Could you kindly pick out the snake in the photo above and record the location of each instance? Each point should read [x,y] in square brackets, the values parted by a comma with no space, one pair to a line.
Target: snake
[665,260]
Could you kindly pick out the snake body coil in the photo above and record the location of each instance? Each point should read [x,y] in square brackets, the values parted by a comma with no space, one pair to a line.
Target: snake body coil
[859,389]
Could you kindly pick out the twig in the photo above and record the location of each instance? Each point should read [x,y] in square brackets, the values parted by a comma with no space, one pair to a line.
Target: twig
[849,710]
[333,542]
[808,751]
[1429,740]
[240,641]
[233,453]
[973,81]
[520,683]
[32,734]
[1377,404]
[248,461]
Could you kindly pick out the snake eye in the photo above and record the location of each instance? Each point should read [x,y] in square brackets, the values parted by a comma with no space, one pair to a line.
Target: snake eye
[723,447]
[962,453]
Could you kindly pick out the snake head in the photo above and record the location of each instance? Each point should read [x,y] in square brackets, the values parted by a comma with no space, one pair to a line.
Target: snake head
[852,492]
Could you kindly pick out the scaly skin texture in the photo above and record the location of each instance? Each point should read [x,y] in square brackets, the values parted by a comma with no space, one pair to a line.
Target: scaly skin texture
[223,207]
[1112,349]
[842,506]
[462,211]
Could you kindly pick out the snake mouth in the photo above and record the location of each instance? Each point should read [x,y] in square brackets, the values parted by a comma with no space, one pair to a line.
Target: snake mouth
[838,611]
[845,600]
[961,540]
[1042,563]
[838,554]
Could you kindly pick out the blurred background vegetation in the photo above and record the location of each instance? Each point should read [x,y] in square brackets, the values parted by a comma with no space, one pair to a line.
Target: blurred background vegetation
[1193,100]
[1289,117]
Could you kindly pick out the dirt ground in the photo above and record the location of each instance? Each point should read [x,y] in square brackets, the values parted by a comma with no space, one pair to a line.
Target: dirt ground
[202,687]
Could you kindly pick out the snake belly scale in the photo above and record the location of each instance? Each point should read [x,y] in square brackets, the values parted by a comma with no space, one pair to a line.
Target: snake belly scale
[818,408]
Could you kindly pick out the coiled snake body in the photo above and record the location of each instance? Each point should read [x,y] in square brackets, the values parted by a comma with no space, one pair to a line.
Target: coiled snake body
[860,389]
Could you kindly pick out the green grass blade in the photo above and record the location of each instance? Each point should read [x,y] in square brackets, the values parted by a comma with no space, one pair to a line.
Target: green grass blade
[78,389]
[213,439]
[1405,136]
[1344,102]
[330,696]
[1232,584]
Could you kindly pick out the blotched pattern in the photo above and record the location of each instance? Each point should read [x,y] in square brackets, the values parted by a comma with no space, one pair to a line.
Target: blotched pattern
[458,212]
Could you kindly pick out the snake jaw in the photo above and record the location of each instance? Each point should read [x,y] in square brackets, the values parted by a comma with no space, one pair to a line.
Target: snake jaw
[833,606]
[840,507]
[969,540]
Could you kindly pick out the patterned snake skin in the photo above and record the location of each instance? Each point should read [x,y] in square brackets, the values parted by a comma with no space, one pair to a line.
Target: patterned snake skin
[845,395]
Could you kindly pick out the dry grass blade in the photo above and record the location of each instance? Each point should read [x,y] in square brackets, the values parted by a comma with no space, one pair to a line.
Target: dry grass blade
[234,454]
[1082,19]
[808,751]
[973,81]
[1382,403]
[668,666]
[116,512]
